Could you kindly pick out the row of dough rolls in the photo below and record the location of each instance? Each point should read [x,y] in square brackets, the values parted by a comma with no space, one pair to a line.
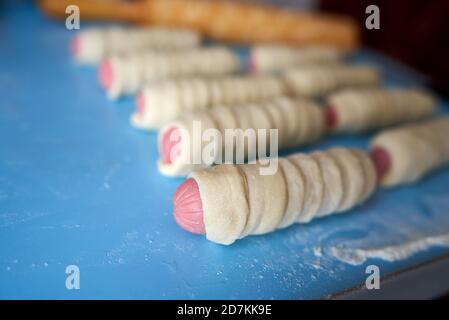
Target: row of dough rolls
[228,202]
[298,122]
[405,154]
[237,200]
[361,110]
[91,46]
[125,75]
[162,102]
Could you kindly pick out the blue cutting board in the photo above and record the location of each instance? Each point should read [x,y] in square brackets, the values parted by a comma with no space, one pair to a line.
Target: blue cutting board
[79,185]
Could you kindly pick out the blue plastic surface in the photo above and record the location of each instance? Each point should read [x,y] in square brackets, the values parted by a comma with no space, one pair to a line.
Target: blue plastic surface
[79,185]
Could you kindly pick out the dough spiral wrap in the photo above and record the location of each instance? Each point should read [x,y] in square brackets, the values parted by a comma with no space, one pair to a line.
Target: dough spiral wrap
[238,201]
[366,109]
[132,72]
[165,101]
[96,44]
[316,81]
[299,122]
[269,58]
[414,150]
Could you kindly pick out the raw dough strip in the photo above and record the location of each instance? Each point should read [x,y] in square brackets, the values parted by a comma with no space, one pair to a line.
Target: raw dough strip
[93,45]
[316,81]
[123,75]
[366,109]
[407,153]
[299,122]
[159,103]
[233,201]
[226,210]
[270,58]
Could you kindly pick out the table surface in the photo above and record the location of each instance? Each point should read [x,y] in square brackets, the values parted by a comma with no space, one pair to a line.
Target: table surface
[80,186]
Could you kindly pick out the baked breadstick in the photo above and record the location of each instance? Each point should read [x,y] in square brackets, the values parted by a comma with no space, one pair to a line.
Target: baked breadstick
[265,58]
[224,20]
[122,75]
[93,45]
[316,81]
[229,202]
[159,103]
[404,155]
[365,109]
[298,122]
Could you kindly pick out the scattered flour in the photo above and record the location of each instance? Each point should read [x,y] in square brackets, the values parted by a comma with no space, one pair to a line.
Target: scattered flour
[317,251]
[390,253]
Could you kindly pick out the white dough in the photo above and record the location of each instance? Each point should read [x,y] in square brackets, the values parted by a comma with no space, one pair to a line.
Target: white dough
[414,150]
[352,176]
[269,58]
[132,72]
[322,80]
[369,173]
[316,124]
[296,191]
[290,121]
[95,44]
[159,104]
[267,198]
[182,95]
[366,109]
[332,181]
[225,203]
[278,120]
[314,185]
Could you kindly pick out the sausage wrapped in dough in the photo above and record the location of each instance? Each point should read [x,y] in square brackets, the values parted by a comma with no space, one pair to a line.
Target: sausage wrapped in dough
[236,131]
[93,45]
[124,75]
[162,102]
[317,81]
[229,202]
[266,58]
[365,109]
[404,155]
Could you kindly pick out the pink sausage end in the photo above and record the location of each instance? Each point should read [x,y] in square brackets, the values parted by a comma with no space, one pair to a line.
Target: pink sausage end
[76,46]
[188,207]
[140,103]
[171,139]
[252,63]
[330,114]
[382,161]
[107,76]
